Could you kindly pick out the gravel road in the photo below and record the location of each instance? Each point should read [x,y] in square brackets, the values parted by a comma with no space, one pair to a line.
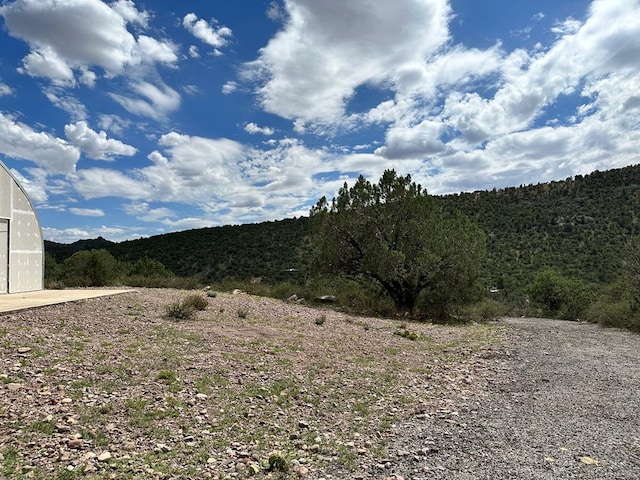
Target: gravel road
[564,403]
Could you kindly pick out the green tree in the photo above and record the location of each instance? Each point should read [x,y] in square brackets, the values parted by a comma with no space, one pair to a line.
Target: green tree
[148,267]
[91,268]
[395,234]
[631,264]
[561,297]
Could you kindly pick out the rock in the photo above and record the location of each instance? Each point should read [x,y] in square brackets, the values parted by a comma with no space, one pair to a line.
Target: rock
[303,424]
[302,471]
[293,298]
[326,299]
[75,443]
[24,350]
[12,387]
[105,457]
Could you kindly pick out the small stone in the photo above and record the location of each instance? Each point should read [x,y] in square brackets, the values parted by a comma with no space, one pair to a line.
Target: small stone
[67,400]
[303,424]
[24,350]
[129,445]
[302,472]
[12,387]
[105,456]
[315,448]
[75,443]
[201,396]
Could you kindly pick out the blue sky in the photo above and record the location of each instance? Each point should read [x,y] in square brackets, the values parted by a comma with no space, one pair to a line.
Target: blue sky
[126,119]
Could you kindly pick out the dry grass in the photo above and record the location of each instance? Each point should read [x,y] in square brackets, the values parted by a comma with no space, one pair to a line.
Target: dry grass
[112,388]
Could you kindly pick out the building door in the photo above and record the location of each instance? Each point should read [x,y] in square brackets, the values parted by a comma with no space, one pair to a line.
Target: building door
[4,256]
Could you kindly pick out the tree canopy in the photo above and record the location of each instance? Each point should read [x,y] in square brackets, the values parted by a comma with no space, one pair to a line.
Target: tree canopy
[395,234]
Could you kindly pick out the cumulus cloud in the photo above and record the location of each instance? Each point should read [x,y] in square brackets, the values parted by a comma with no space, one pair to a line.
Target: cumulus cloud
[253,128]
[18,140]
[69,40]
[211,34]
[96,144]
[415,142]
[327,49]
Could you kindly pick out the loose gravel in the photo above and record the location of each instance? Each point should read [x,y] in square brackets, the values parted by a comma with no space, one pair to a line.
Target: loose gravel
[564,403]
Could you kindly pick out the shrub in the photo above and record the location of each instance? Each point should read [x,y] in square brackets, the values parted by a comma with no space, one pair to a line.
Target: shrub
[91,268]
[484,311]
[195,301]
[187,307]
[179,311]
[561,297]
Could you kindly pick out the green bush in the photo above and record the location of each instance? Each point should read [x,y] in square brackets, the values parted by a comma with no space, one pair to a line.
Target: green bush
[484,311]
[196,301]
[186,308]
[92,268]
[150,268]
[179,311]
[561,297]
[613,314]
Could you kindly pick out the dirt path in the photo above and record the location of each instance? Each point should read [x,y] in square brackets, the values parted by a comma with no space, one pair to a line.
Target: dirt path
[564,404]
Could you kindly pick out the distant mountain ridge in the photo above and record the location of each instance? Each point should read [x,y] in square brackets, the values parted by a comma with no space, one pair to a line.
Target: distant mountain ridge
[579,226]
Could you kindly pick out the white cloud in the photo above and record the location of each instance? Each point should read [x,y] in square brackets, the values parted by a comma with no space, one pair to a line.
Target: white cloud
[127,10]
[253,128]
[327,49]
[18,140]
[5,89]
[153,101]
[96,144]
[142,211]
[415,142]
[70,235]
[113,123]
[102,182]
[153,50]
[229,87]
[70,104]
[57,37]
[211,34]
[45,62]
[275,13]
[194,52]
[87,212]
[606,42]
[70,39]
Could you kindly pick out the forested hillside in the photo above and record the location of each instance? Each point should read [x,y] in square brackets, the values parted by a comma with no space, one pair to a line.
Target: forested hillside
[579,226]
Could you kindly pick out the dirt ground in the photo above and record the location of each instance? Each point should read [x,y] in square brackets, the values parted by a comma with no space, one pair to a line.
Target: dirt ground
[255,387]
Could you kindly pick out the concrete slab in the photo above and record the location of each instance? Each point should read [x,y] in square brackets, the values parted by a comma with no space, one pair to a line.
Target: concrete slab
[20,301]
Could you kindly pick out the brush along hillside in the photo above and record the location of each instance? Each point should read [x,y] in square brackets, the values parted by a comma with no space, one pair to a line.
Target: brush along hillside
[579,227]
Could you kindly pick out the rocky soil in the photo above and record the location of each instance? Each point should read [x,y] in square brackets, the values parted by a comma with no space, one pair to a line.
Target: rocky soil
[254,387]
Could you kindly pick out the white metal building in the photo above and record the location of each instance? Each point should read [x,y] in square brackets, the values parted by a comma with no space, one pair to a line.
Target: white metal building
[21,241]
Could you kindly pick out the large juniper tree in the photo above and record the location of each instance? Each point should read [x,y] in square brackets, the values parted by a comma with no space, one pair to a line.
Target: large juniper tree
[395,234]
